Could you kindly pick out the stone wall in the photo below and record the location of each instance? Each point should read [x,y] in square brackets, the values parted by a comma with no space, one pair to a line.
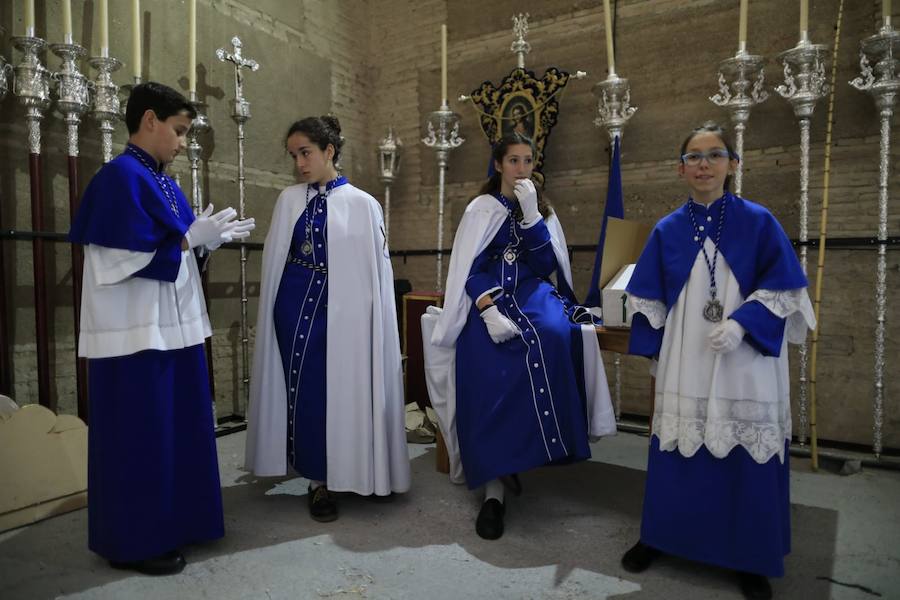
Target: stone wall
[375,64]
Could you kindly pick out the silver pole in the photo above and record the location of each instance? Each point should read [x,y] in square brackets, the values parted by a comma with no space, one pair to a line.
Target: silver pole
[804,85]
[106,108]
[883,82]
[241,114]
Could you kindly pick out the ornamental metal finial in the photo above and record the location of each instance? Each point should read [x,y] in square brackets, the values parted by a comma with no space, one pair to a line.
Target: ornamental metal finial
[519,46]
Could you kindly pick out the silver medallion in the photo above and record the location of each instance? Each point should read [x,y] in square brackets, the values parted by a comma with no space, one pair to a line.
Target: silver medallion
[713,310]
[509,256]
[306,248]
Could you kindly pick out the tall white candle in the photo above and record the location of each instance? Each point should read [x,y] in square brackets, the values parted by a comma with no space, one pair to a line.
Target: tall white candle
[136,38]
[804,19]
[67,21]
[104,28]
[29,18]
[192,49]
[444,65]
[886,11]
[610,55]
[742,27]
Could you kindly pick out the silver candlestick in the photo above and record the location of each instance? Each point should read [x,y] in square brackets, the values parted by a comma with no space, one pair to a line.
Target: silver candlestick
[106,108]
[613,105]
[804,84]
[32,86]
[389,164]
[747,76]
[240,113]
[443,136]
[74,98]
[613,112]
[883,82]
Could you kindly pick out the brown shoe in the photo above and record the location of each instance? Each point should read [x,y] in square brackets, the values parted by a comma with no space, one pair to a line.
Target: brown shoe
[322,506]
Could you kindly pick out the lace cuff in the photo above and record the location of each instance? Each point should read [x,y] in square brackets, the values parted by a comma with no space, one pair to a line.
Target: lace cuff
[793,305]
[654,310]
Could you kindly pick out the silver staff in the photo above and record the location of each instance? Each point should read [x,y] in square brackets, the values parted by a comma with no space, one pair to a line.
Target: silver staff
[32,86]
[804,84]
[5,71]
[240,112]
[73,100]
[742,69]
[613,112]
[883,82]
[389,149]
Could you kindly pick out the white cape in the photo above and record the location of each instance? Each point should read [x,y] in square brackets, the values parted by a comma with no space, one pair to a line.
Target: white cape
[365,428]
[440,328]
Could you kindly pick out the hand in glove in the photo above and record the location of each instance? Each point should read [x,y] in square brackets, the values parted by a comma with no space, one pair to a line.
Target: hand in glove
[235,230]
[207,229]
[499,327]
[527,195]
[726,336]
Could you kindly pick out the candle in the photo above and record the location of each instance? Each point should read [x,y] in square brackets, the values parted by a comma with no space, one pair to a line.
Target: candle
[610,54]
[742,29]
[104,28]
[444,65]
[192,50]
[136,38]
[804,19]
[29,18]
[886,12]
[67,21]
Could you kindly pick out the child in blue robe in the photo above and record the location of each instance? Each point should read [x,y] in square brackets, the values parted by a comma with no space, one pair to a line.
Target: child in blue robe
[153,478]
[717,293]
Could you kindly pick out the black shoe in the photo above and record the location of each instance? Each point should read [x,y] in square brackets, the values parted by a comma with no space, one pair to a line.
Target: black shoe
[639,557]
[169,563]
[322,506]
[489,524]
[755,587]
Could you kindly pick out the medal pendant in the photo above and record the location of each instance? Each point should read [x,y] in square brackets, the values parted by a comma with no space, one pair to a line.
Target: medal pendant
[509,256]
[306,248]
[713,311]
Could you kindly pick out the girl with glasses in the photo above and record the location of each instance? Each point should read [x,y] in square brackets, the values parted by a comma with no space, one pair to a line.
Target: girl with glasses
[717,294]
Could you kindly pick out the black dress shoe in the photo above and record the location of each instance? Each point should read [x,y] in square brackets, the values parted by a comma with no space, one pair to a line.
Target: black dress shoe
[322,506]
[489,524]
[755,587]
[639,557]
[169,563]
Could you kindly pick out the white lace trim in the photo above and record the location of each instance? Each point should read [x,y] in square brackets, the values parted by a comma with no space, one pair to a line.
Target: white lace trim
[793,305]
[654,310]
[758,427]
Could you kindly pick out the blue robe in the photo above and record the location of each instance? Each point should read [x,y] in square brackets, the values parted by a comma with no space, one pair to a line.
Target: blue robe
[521,403]
[153,477]
[300,316]
[732,512]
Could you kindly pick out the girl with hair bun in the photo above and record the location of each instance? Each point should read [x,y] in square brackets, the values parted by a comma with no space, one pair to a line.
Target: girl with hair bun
[326,394]
[515,378]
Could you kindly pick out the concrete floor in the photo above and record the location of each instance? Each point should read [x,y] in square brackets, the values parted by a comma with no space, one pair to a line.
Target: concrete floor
[563,540]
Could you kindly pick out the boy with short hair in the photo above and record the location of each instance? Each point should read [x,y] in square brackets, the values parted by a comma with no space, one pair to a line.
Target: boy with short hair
[153,479]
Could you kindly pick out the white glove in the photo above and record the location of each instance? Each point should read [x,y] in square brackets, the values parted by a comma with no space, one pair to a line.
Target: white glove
[726,336]
[207,229]
[235,230]
[499,327]
[527,196]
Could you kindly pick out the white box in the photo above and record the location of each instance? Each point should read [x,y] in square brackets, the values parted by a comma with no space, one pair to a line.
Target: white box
[614,297]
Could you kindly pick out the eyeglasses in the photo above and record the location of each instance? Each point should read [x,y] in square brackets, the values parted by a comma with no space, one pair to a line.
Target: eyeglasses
[713,157]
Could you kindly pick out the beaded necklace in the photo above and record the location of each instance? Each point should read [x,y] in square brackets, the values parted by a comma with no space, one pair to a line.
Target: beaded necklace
[713,310]
[161,180]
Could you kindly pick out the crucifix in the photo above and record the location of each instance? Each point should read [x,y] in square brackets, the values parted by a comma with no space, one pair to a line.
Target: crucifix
[240,112]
